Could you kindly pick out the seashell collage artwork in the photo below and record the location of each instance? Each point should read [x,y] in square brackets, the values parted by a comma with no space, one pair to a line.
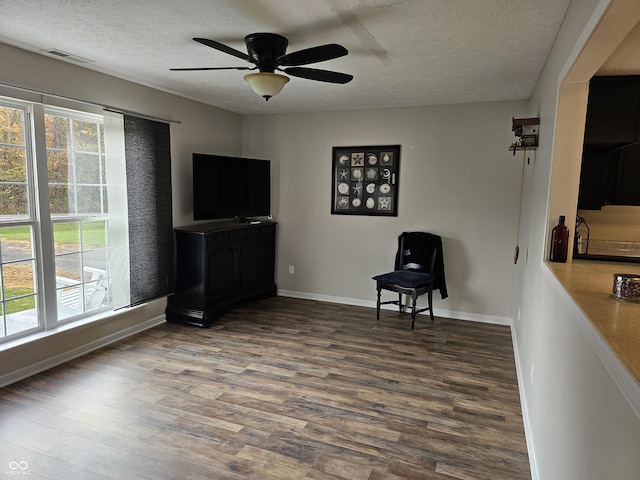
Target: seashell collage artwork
[365,180]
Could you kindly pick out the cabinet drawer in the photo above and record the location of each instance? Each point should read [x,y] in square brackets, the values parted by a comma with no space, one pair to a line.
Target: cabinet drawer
[262,230]
[217,237]
[239,233]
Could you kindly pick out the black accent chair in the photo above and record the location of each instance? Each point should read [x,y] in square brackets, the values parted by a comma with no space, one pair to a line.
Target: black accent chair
[413,274]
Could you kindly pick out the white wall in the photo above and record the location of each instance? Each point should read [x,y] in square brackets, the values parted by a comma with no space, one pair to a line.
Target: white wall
[580,424]
[203,128]
[457,179]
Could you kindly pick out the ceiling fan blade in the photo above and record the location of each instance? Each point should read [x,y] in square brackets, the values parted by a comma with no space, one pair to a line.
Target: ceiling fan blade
[224,48]
[319,75]
[313,55]
[211,68]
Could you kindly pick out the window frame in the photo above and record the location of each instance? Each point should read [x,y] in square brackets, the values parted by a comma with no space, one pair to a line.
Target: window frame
[39,217]
[30,219]
[75,216]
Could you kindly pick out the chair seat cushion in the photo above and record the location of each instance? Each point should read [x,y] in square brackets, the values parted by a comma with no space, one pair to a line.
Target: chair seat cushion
[405,279]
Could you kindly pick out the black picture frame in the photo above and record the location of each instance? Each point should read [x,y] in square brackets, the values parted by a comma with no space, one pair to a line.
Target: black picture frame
[365,180]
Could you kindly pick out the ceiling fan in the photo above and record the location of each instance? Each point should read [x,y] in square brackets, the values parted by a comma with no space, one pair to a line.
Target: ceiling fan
[267,52]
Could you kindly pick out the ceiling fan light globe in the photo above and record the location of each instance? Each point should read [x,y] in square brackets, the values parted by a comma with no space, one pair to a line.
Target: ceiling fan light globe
[266,84]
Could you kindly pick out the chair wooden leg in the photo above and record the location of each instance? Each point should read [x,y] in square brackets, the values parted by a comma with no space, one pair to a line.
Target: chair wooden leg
[378,304]
[413,310]
[430,297]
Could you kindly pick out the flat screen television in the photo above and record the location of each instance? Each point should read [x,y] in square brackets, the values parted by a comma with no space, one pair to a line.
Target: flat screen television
[230,187]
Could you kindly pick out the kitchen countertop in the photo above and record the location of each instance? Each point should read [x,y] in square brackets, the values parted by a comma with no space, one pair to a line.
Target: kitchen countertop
[590,284]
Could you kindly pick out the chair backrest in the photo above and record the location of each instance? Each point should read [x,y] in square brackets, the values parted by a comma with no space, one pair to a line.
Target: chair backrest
[418,247]
[418,262]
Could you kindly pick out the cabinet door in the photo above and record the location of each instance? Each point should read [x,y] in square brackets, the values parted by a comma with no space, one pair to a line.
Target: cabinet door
[593,180]
[627,189]
[256,269]
[190,272]
[222,263]
[613,111]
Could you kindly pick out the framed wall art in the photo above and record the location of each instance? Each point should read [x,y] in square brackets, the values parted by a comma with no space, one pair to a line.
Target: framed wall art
[365,180]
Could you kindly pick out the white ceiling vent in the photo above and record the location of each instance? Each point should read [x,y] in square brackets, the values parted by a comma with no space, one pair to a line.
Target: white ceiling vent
[66,55]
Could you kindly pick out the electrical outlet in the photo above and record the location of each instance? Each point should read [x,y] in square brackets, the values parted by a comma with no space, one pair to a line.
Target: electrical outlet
[518,314]
[531,374]
[291,270]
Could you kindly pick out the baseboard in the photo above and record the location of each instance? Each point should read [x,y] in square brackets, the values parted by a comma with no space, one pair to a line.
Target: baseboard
[472,317]
[531,446]
[61,358]
[325,298]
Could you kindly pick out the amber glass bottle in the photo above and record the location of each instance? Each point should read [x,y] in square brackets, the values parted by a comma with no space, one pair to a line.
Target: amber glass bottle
[559,242]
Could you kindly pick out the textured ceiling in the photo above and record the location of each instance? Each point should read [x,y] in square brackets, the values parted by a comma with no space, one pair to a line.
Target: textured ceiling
[401,53]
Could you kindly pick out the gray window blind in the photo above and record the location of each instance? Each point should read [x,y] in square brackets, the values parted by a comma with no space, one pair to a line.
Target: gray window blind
[148,158]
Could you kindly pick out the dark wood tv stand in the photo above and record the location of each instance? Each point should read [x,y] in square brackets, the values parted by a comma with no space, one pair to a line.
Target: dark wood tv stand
[219,265]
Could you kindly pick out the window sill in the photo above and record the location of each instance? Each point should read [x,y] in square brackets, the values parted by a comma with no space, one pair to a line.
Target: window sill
[68,327]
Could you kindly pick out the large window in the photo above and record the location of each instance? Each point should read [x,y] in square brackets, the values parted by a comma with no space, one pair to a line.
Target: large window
[61,217]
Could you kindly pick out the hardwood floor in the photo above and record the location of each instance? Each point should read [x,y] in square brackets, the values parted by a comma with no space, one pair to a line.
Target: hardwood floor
[279,389]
